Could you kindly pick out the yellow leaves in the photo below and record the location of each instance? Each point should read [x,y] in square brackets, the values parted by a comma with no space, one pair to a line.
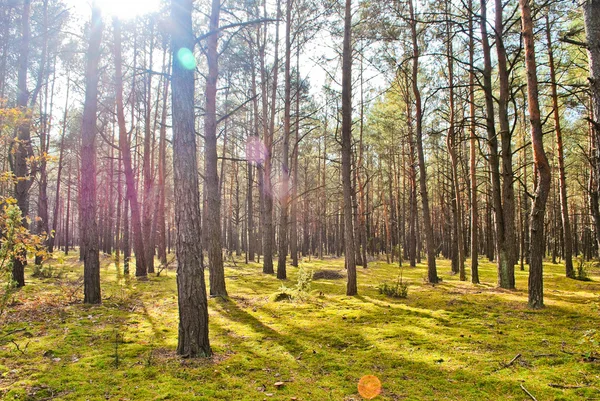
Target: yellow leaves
[11,117]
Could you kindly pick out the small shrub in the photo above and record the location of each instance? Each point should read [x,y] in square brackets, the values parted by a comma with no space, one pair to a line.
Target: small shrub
[304,282]
[399,289]
[582,271]
[284,294]
[45,271]
[300,291]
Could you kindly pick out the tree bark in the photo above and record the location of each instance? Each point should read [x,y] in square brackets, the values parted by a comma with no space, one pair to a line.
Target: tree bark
[351,288]
[473,145]
[506,236]
[536,248]
[131,192]
[285,157]
[591,17]
[431,266]
[89,225]
[564,207]
[191,288]
[213,218]
[21,152]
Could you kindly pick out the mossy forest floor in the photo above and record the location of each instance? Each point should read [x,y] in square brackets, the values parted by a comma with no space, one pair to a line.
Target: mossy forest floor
[454,341]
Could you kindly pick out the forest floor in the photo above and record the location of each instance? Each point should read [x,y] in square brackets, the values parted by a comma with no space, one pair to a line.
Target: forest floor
[453,341]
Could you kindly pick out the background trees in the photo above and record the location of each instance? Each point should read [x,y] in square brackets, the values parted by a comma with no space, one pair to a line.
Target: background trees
[395,137]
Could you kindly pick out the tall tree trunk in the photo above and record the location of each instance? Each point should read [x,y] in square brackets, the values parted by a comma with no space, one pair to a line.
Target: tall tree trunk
[507,244]
[493,158]
[351,288]
[431,266]
[285,158]
[89,225]
[213,219]
[295,183]
[60,168]
[564,207]
[42,221]
[536,249]
[148,197]
[191,288]
[453,156]
[131,192]
[162,165]
[67,221]
[21,152]
[473,145]
[269,130]
[591,17]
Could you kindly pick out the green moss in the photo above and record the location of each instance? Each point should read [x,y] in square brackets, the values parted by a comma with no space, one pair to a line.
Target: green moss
[451,341]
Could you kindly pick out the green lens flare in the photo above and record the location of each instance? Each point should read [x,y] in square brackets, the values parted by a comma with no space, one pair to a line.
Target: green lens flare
[186,58]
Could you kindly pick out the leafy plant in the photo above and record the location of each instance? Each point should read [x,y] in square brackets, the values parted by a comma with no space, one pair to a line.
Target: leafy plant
[284,294]
[582,271]
[16,242]
[304,282]
[399,289]
[300,291]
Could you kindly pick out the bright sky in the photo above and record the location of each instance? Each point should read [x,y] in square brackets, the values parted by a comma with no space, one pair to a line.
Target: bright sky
[122,8]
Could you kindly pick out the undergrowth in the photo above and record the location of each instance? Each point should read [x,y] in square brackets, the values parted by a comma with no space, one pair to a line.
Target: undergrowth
[454,341]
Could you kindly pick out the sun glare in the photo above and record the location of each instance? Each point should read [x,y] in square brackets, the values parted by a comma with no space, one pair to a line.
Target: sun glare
[125,9]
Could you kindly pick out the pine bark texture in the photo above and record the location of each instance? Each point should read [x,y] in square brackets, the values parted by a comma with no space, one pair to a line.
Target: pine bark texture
[89,225]
[351,288]
[191,288]
[536,248]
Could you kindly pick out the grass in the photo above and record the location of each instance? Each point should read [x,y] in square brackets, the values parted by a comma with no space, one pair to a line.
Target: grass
[448,342]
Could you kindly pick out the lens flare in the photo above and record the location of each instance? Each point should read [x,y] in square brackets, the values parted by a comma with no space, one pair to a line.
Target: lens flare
[186,58]
[256,151]
[369,387]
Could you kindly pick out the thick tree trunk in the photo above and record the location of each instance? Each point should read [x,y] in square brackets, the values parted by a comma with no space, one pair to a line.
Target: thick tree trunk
[591,17]
[536,249]
[213,219]
[351,288]
[191,289]
[507,244]
[89,225]
[21,152]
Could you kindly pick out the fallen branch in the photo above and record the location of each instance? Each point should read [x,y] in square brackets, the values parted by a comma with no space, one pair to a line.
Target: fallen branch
[509,364]
[13,332]
[565,386]
[528,393]
[512,361]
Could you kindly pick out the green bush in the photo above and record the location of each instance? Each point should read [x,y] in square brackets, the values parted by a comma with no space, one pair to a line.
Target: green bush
[45,271]
[582,271]
[399,289]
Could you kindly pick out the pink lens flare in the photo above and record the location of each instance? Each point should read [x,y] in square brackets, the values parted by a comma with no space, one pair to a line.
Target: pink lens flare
[256,151]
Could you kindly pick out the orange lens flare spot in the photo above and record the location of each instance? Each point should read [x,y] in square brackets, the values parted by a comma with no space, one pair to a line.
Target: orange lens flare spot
[369,387]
